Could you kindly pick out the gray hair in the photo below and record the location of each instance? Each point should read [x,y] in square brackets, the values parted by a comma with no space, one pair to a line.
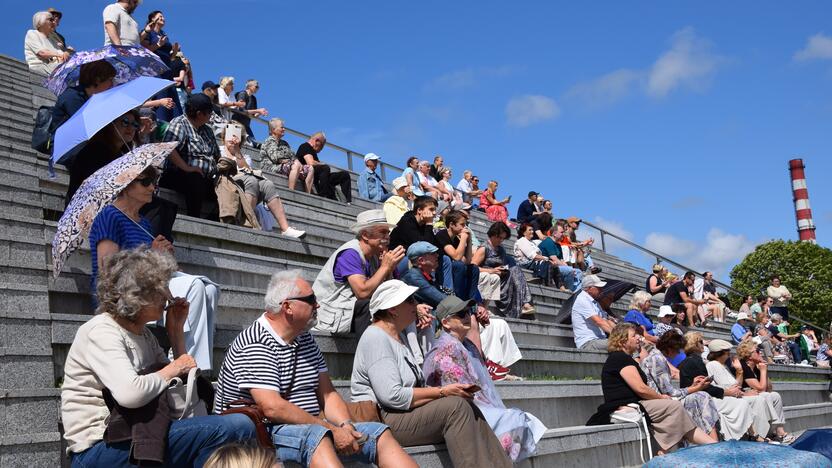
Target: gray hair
[467,172]
[225,80]
[424,162]
[273,123]
[284,284]
[252,83]
[639,298]
[777,317]
[130,280]
[39,18]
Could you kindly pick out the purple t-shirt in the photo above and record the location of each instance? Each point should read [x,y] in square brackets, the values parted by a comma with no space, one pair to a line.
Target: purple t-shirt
[349,262]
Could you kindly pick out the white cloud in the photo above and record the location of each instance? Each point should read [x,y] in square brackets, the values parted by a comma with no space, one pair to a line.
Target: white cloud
[669,245]
[529,109]
[468,77]
[614,227]
[689,63]
[719,252]
[608,89]
[818,47]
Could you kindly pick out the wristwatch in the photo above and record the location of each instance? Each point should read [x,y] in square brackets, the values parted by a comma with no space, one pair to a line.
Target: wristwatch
[348,421]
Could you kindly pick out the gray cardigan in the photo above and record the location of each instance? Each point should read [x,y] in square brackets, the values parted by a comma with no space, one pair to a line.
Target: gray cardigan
[384,371]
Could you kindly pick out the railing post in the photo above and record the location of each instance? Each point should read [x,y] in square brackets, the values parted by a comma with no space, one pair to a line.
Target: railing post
[603,244]
[349,160]
[383,173]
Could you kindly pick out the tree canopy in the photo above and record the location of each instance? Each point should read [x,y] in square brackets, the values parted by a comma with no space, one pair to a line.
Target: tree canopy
[805,269]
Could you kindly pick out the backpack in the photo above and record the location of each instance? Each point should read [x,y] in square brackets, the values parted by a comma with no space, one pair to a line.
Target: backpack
[41,136]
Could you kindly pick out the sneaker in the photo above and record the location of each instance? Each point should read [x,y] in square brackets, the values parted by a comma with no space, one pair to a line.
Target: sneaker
[528,309]
[294,233]
[496,369]
[595,270]
[513,378]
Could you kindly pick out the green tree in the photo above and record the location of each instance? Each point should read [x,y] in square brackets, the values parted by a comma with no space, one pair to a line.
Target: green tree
[805,268]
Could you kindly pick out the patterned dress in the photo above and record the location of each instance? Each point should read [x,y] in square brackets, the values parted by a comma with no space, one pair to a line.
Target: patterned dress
[699,405]
[514,291]
[277,157]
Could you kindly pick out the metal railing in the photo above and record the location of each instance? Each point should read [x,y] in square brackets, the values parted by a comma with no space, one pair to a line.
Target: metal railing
[384,167]
[662,259]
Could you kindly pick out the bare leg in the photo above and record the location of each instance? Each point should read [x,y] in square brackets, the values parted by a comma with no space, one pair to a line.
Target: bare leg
[698,437]
[310,179]
[325,456]
[713,435]
[293,174]
[391,454]
[276,207]
[690,313]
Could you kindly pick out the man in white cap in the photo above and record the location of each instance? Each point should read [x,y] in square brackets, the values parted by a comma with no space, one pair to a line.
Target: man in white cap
[370,185]
[590,324]
[348,279]
[397,205]
[740,331]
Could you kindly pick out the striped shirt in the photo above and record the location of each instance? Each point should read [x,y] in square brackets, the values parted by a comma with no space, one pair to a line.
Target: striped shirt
[113,225]
[259,358]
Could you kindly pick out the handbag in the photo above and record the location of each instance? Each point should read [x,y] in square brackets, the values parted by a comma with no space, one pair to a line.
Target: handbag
[250,409]
[183,398]
[364,411]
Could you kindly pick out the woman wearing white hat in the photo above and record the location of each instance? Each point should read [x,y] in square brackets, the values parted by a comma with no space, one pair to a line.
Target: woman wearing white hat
[385,371]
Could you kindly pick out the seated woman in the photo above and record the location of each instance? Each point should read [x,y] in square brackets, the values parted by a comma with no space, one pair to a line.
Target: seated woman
[755,377]
[43,53]
[409,174]
[258,188]
[277,156]
[515,295]
[455,360]
[495,210]
[528,256]
[656,283]
[767,411]
[698,404]
[824,353]
[735,414]
[623,383]
[120,226]
[429,185]
[637,315]
[385,372]
[445,183]
[113,351]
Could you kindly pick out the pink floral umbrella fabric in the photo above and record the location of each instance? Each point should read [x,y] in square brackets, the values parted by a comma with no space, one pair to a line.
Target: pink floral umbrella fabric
[98,191]
[130,63]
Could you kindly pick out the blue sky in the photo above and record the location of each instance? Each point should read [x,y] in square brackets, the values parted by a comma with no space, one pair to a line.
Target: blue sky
[669,122]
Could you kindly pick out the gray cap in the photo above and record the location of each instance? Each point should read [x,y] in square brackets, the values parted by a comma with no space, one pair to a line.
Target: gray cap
[450,306]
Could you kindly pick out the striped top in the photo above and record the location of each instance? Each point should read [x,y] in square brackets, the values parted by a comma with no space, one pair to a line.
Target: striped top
[111,224]
[259,358]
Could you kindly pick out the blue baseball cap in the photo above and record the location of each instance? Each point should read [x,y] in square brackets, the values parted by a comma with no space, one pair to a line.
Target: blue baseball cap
[417,249]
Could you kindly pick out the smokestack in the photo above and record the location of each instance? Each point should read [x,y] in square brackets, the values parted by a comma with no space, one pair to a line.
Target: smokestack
[802,210]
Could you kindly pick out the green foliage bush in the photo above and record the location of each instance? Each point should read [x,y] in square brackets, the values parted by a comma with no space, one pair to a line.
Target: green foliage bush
[805,268]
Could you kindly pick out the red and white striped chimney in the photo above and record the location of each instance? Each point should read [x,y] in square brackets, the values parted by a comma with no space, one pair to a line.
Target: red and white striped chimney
[802,210]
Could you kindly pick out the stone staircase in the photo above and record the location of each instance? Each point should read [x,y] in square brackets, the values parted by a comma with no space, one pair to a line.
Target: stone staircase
[39,315]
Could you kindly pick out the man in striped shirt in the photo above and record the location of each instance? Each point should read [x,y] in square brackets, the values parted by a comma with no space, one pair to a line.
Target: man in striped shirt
[277,363]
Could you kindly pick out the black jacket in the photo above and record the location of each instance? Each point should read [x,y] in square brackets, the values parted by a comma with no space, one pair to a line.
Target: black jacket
[693,366]
[408,231]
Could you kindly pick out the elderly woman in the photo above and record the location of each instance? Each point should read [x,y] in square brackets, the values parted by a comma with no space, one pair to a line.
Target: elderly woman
[429,185]
[735,414]
[515,295]
[637,315]
[528,256]
[767,411]
[114,350]
[495,209]
[43,53]
[624,383]
[755,377]
[445,182]
[120,226]
[385,372]
[107,145]
[780,296]
[698,404]
[277,157]
[225,97]
[258,188]
[456,360]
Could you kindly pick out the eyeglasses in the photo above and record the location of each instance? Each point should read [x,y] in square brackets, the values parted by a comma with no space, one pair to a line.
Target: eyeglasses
[461,314]
[128,122]
[309,299]
[148,181]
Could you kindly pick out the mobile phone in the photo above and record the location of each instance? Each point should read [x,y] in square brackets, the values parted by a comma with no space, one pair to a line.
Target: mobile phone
[363,439]
[473,388]
[709,379]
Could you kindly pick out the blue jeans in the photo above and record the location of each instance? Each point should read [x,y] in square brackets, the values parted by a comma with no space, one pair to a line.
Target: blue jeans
[574,275]
[466,281]
[298,442]
[190,442]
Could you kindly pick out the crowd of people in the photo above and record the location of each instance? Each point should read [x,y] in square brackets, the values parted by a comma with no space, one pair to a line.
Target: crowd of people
[428,303]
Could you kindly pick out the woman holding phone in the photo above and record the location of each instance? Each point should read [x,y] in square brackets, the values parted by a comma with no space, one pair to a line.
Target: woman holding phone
[385,372]
[455,360]
[515,295]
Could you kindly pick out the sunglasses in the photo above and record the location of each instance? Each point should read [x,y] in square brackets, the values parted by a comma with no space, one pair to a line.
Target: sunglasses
[128,122]
[148,181]
[309,299]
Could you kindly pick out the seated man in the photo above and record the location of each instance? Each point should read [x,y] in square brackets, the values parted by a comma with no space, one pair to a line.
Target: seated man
[325,179]
[470,194]
[370,185]
[590,324]
[276,363]
[550,247]
[740,330]
[491,335]
[353,272]
[397,205]
[680,293]
[528,210]
[417,225]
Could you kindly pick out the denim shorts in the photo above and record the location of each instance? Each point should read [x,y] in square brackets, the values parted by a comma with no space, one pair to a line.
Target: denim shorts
[298,442]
